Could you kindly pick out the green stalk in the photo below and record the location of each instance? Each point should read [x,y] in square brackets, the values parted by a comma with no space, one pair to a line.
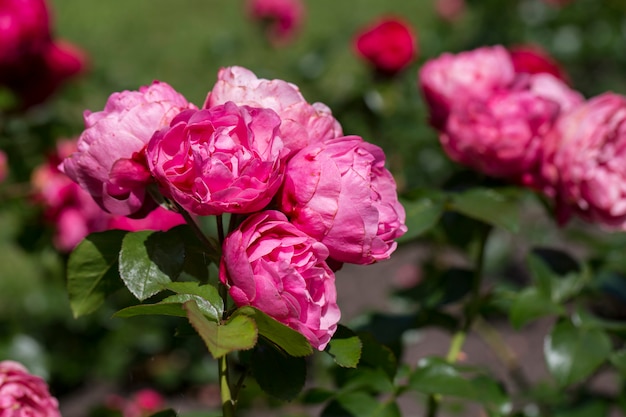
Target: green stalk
[228,403]
[471,312]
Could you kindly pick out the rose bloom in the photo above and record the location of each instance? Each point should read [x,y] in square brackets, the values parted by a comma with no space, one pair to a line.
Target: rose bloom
[341,194]
[450,10]
[584,159]
[388,44]
[532,59]
[142,403]
[32,64]
[281,18]
[110,163]
[302,123]
[455,79]
[23,394]
[269,264]
[4,166]
[225,159]
[72,211]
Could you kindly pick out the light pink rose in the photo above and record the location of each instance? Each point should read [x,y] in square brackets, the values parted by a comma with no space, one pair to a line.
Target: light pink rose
[501,136]
[585,155]
[455,79]
[269,264]
[341,194]
[450,10]
[302,123]
[109,162]
[225,159]
[23,394]
[281,19]
[551,88]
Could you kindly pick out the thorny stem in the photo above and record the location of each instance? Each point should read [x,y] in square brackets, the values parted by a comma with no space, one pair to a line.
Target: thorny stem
[471,313]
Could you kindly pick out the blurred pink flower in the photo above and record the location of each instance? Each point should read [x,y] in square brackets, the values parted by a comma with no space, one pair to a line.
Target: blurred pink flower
[4,166]
[584,159]
[455,79]
[33,65]
[72,211]
[558,3]
[301,123]
[388,44]
[532,59]
[340,193]
[110,162]
[450,10]
[281,19]
[271,265]
[23,394]
[142,403]
[225,159]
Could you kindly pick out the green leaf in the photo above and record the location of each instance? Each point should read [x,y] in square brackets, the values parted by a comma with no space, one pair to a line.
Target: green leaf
[574,353]
[532,304]
[162,308]
[360,404]
[291,341]
[498,208]
[422,214]
[148,260]
[92,271]
[593,408]
[556,274]
[436,376]
[345,347]
[206,296]
[277,373]
[238,333]
[377,355]
[618,359]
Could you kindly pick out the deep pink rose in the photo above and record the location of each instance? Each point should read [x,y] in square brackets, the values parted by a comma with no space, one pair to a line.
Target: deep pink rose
[584,161]
[389,45]
[302,123]
[110,163]
[502,135]
[341,194]
[4,166]
[269,264]
[455,79]
[225,159]
[142,403]
[281,19]
[23,394]
[532,59]
[24,31]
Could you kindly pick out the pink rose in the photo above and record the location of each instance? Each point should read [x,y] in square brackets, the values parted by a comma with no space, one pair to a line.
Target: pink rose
[281,19]
[302,123]
[142,403]
[4,166]
[341,194]
[584,159]
[269,264]
[450,10]
[25,31]
[389,45]
[456,79]
[110,163]
[225,159]
[532,59]
[23,394]
[502,135]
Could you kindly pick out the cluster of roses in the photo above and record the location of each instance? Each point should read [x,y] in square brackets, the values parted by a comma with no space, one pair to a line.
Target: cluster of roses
[526,125]
[33,64]
[307,196]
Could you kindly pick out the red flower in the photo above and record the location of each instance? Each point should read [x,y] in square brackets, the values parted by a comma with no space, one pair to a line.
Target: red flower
[389,45]
[531,59]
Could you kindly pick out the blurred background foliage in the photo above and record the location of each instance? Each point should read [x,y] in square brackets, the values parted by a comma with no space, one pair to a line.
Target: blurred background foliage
[130,43]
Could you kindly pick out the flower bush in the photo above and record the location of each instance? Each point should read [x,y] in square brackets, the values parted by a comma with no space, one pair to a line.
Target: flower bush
[304,230]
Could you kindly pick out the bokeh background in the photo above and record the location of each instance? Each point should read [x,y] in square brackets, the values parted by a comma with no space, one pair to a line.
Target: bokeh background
[130,43]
